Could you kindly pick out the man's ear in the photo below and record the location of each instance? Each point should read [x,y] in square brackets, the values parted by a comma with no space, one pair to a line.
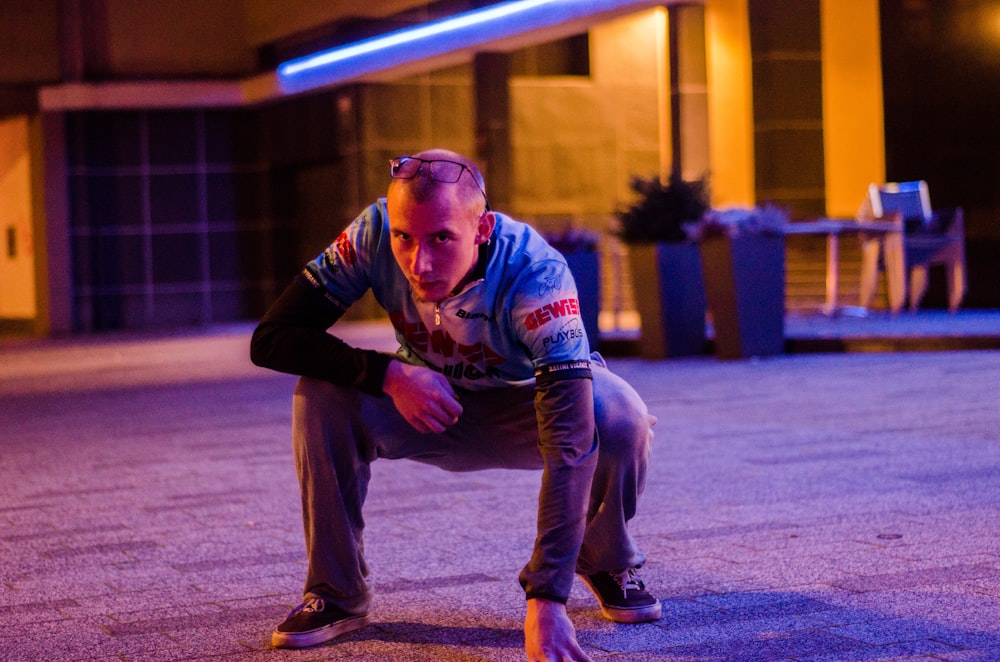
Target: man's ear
[484,231]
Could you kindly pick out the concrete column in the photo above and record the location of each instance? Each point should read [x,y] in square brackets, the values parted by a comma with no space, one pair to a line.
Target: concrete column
[853,112]
[785,43]
[730,102]
[688,90]
[50,217]
[493,126]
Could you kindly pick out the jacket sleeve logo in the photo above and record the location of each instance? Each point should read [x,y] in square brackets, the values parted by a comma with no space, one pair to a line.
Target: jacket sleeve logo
[550,311]
[345,248]
[551,283]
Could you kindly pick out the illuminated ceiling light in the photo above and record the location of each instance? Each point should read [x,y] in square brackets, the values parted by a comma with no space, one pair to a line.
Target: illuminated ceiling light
[457,33]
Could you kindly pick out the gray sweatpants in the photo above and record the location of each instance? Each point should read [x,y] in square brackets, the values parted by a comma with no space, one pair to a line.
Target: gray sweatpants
[338,431]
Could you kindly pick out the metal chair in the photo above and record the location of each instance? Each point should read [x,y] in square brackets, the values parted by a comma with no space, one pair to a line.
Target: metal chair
[929,238]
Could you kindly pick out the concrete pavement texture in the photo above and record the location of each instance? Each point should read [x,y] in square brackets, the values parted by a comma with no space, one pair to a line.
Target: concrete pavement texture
[808,507]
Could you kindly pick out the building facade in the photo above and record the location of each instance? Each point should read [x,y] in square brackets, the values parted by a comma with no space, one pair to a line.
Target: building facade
[156,170]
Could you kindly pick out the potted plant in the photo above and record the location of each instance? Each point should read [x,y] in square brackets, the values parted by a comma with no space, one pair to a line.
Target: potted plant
[666,265]
[743,263]
[580,247]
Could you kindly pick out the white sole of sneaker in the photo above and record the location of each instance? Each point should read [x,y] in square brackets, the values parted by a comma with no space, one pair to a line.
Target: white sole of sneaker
[319,635]
[619,615]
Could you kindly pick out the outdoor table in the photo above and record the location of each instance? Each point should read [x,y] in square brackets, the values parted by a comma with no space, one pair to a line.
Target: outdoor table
[833,228]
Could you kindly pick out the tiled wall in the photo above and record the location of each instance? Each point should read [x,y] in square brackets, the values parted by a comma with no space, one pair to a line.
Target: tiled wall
[203,216]
[170,217]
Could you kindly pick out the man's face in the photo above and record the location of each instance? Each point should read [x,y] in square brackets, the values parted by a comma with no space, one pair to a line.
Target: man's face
[436,241]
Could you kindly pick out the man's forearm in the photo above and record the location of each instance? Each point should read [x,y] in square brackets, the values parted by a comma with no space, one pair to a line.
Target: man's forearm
[569,450]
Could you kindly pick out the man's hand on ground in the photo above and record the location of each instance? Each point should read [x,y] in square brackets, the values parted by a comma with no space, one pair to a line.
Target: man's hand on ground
[424,397]
[549,635]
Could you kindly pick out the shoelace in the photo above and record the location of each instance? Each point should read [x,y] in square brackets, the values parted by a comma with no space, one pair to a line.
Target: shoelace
[628,579]
[311,605]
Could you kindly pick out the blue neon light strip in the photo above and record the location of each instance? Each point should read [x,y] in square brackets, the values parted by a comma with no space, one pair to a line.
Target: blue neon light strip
[456,33]
[407,36]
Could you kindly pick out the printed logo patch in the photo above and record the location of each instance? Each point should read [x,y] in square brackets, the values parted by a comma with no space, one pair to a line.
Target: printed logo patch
[551,283]
[466,315]
[345,248]
[571,330]
[550,311]
[561,367]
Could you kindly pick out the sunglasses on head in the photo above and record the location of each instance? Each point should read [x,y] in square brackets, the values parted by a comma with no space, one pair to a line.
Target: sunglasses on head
[440,170]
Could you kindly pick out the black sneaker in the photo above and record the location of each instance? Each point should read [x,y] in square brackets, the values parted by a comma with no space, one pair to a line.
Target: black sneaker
[313,623]
[623,596]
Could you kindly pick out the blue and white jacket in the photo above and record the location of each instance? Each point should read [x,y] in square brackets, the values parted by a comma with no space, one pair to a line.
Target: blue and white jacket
[518,321]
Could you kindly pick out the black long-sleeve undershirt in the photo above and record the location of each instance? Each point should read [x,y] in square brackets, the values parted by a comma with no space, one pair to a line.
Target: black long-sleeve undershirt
[292,338]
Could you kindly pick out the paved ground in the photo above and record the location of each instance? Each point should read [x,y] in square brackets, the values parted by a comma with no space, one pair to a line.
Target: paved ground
[806,507]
